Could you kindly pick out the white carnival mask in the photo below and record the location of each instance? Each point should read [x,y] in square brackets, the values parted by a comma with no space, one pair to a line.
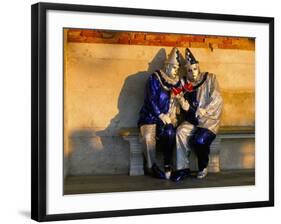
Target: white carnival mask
[192,72]
[171,70]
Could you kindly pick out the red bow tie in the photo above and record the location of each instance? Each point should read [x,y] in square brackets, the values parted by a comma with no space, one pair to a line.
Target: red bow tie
[187,86]
[176,91]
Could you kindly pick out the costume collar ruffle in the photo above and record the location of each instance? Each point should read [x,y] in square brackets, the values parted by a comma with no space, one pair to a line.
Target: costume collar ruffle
[189,86]
[165,83]
[169,80]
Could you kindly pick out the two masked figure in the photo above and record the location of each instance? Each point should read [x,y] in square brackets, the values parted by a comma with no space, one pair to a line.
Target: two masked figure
[196,98]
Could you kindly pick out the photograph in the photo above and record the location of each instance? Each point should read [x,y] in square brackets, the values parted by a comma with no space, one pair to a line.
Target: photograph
[157,111]
[146,111]
[121,112]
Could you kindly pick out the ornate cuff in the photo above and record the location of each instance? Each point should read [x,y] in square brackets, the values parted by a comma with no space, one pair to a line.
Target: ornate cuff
[200,112]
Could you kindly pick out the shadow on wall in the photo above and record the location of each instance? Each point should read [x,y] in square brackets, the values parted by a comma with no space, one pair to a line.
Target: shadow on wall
[132,95]
[105,152]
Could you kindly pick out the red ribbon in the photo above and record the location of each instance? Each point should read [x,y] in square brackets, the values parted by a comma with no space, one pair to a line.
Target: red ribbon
[176,91]
[187,86]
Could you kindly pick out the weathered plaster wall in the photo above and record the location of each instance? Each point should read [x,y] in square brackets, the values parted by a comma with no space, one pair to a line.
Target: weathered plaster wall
[103,91]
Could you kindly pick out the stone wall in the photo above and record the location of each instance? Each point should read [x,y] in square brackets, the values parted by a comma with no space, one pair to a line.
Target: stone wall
[104,89]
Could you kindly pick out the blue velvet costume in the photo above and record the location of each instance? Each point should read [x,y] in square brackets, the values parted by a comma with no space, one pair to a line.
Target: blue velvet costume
[156,102]
[202,137]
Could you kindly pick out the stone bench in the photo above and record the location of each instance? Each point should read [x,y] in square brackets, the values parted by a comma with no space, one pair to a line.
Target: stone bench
[132,135]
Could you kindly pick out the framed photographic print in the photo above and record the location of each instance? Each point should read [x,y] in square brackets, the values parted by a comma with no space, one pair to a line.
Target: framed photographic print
[140,111]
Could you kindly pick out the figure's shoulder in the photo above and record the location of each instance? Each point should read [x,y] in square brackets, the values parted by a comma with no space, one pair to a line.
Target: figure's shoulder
[210,75]
[154,76]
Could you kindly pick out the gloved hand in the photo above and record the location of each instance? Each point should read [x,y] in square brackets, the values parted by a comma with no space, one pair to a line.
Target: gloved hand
[165,118]
[182,101]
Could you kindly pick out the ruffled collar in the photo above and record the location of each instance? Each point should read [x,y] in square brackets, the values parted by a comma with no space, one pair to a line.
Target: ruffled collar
[191,86]
[164,83]
[168,79]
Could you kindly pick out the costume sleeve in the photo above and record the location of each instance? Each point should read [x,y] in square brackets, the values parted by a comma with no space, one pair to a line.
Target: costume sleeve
[212,110]
[152,90]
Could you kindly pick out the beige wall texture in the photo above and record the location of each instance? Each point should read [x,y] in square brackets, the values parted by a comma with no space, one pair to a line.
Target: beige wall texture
[104,90]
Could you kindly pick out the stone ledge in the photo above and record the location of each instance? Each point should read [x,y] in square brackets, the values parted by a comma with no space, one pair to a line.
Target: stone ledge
[224,130]
[227,132]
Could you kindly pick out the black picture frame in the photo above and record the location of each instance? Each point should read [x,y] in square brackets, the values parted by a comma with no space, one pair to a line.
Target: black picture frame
[39,114]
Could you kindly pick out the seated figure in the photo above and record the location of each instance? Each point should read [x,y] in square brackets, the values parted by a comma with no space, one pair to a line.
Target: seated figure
[201,104]
[158,116]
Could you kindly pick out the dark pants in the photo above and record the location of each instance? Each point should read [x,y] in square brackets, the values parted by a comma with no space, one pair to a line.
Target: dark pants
[200,142]
[166,140]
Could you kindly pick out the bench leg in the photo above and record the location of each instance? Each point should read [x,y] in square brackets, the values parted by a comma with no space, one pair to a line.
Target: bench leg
[136,157]
[214,157]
